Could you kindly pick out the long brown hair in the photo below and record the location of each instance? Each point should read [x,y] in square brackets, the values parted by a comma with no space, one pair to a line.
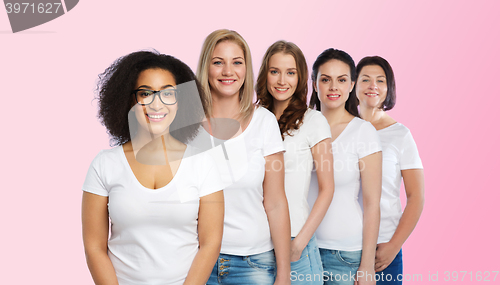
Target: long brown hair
[293,115]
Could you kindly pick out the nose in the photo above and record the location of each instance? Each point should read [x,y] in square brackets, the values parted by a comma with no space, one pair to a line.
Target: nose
[333,85]
[227,70]
[373,85]
[156,105]
[281,79]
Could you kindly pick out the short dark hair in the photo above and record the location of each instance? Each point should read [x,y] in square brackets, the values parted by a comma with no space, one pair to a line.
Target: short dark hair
[114,94]
[390,99]
[351,105]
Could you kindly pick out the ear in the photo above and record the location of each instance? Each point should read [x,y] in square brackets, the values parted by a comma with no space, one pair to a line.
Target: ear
[352,86]
[315,87]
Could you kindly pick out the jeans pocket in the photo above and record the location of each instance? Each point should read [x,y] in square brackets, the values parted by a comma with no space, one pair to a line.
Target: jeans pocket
[265,260]
[350,258]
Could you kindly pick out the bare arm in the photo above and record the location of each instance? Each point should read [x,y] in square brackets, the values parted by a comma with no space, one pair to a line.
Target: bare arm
[323,160]
[95,229]
[210,226]
[414,186]
[276,207]
[371,185]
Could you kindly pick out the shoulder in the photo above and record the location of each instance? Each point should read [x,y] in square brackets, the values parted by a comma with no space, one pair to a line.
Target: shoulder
[261,113]
[363,126]
[107,157]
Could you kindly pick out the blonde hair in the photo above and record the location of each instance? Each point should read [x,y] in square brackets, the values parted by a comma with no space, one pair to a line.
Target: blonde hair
[246,90]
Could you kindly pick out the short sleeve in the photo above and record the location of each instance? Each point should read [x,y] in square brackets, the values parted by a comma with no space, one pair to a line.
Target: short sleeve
[272,137]
[319,129]
[368,140]
[93,181]
[409,157]
[210,180]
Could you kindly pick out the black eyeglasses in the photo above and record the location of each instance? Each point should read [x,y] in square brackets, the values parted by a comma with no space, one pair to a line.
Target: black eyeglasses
[145,97]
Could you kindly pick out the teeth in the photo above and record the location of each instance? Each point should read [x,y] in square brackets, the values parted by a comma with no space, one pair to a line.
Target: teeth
[157,116]
[227,81]
[281,89]
[332,95]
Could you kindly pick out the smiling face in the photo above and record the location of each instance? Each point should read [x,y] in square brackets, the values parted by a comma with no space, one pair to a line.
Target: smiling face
[371,86]
[282,77]
[227,70]
[333,84]
[156,117]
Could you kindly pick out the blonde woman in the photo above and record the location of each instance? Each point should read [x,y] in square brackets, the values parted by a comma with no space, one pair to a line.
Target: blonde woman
[282,89]
[256,241]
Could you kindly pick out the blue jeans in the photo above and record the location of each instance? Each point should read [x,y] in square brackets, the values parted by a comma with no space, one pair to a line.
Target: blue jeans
[393,274]
[308,270]
[258,269]
[340,267]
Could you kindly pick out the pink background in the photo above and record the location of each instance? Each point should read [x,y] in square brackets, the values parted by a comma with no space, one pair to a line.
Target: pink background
[444,54]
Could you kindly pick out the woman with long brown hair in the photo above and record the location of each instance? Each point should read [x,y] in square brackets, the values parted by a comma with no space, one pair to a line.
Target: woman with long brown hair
[282,89]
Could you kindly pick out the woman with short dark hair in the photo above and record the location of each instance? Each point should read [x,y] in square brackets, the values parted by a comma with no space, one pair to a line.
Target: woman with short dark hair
[376,92]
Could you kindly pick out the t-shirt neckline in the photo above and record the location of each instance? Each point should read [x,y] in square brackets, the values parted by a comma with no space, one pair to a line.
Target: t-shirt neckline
[343,131]
[136,181]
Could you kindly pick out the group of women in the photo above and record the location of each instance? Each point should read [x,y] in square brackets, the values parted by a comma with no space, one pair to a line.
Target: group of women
[290,209]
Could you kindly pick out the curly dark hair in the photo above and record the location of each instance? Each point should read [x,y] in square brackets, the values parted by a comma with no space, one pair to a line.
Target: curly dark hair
[293,115]
[390,99]
[114,94]
[351,105]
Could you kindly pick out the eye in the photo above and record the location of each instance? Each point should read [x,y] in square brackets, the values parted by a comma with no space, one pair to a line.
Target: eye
[238,62]
[273,72]
[291,73]
[364,80]
[342,80]
[381,81]
[217,62]
[144,93]
[325,80]
[166,93]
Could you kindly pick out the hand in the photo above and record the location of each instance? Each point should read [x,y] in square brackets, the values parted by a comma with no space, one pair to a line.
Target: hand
[365,276]
[385,254]
[296,249]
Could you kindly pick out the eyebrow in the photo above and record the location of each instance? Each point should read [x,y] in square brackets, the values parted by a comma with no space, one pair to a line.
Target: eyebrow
[238,57]
[149,87]
[369,76]
[293,68]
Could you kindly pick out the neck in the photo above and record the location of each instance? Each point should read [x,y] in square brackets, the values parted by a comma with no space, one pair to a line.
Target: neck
[279,107]
[226,107]
[372,115]
[334,116]
[145,138]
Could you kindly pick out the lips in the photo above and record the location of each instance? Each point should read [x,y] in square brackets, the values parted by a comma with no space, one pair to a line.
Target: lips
[227,81]
[333,96]
[281,90]
[371,94]
[156,117]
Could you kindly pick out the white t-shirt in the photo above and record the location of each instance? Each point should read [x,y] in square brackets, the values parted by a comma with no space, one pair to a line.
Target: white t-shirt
[241,164]
[399,152]
[342,227]
[299,164]
[154,236]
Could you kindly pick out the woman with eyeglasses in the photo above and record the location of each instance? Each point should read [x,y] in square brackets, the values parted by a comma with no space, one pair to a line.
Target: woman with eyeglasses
[282,89]
[256,242]
[162,199]
[347,236]
[376,92]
